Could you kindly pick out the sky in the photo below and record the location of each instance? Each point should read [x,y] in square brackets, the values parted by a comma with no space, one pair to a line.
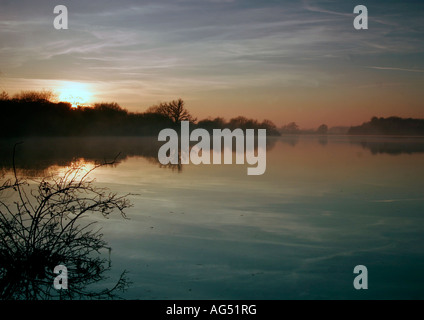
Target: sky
[286,61]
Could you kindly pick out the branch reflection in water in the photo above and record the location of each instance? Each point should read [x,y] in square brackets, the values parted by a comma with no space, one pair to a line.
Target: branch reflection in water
[42,226]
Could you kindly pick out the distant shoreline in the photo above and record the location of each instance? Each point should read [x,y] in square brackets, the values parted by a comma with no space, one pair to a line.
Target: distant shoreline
[31,114]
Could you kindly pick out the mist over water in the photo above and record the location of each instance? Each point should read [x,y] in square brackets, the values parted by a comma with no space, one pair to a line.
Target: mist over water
[323,206]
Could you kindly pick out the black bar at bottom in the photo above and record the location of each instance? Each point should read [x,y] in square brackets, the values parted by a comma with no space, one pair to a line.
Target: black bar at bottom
[197,309]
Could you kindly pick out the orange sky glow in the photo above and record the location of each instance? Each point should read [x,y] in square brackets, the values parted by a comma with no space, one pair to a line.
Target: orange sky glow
[287,62]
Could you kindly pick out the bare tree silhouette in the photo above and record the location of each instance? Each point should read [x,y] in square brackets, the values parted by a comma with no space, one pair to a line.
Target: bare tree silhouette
[174,110]
[41,228]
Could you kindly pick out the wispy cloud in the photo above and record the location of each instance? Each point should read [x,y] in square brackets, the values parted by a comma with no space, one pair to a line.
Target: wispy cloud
[151,50]
[395,69]
[314,7]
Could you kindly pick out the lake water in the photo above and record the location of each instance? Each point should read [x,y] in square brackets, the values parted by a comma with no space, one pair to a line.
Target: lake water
[323,206]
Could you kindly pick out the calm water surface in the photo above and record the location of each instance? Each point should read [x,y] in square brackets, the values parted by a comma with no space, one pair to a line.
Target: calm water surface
[323,206]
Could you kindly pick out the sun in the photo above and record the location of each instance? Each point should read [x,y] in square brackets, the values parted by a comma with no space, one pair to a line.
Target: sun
[76,93]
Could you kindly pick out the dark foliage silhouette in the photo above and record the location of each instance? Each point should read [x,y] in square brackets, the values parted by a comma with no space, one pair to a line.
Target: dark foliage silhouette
[42,227]
[390,126]
[322,129]
[31,113]
[238,122]
[4,96]
[291,128]
[34,96]
[29,117]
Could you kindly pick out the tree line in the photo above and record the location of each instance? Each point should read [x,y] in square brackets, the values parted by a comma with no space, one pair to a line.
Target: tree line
[390,126]
[33,113]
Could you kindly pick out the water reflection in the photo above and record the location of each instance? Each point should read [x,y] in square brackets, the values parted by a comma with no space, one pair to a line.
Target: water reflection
[387,145]
[323,140]
[291,139]
[41,228]
[37,155]
[322,207]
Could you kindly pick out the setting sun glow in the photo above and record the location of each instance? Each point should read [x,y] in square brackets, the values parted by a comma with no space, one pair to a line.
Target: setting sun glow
[78,94]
